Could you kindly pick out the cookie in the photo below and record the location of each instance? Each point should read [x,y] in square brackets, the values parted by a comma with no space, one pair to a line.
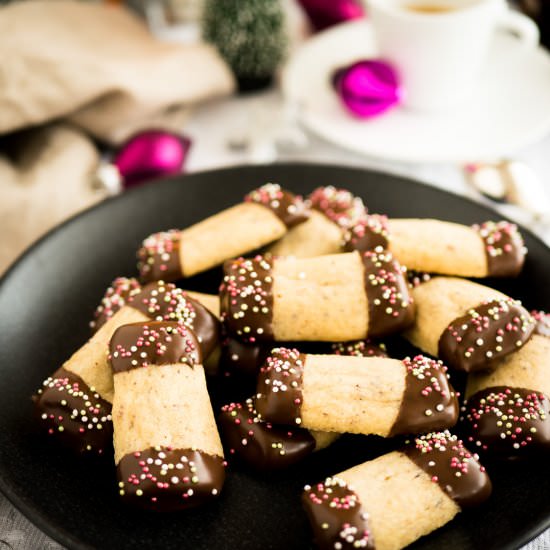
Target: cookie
[168,452]
[467,325]
[265,216]
[365,395]
[492,249]
[74,403]
[332,211]
[507,412]
[391,501]
[328,298]
[116,296]
[262,445]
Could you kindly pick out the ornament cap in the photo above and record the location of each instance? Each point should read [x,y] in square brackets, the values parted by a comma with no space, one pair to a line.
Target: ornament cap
[107,178]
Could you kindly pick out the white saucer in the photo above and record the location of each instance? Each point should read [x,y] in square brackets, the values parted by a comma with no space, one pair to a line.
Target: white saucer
[509,110]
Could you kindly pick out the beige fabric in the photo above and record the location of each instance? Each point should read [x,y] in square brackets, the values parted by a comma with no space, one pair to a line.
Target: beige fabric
[97,63]
[48,181]
[94,66]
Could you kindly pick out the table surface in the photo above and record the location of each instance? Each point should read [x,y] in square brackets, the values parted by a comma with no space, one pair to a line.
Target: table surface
[258,117]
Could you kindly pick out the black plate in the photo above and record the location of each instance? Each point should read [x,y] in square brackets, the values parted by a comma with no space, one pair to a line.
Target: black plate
[46,302]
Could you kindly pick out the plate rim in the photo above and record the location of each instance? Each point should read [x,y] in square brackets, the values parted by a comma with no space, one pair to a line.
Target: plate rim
[311,122]
[58,533]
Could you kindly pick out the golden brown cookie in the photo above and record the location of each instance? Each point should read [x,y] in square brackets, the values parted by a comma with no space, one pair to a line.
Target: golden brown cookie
[507,412]
[366,395]
[168,452]
[391,501]
[467,325]
[332,212]
[263,217]
[328,298]
[75,402]
[492,249]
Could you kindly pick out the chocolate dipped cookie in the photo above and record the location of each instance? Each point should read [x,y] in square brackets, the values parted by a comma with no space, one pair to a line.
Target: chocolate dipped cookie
[391,501]
[467,325]
[265,216]
[365,395]
[168,453]
[332,212]
[328,298]
[491,249]
[506,413]
[264,446]
[74,403]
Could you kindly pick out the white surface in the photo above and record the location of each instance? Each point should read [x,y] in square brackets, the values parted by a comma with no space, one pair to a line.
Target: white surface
[509,109]
[439,55]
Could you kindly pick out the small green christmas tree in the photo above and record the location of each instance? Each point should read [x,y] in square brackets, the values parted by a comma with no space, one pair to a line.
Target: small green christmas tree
[250,36]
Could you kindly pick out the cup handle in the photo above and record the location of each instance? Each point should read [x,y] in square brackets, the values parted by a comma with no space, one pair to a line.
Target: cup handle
[522,26]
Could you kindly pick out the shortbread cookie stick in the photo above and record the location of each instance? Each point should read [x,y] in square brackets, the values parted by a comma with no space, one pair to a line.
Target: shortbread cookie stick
[391,501]
[245,358]
[467,325]
[263,217]
[328,298]
[75,402]
[332,212]
[168,452]
[366,395]
[262,445]
[492,249]
[507,412]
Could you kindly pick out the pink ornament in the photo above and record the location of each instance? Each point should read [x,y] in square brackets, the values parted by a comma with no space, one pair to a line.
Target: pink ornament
[368,88]
[325,13]
[151,154]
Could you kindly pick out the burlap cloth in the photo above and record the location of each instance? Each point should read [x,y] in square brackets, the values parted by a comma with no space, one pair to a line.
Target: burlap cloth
[72,70]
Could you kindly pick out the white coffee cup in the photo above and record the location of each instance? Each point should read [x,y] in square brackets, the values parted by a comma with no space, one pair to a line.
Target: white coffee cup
[439,54]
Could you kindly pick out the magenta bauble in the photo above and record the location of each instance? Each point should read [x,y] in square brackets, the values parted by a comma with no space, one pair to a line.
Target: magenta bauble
[325,13]
[368,88]
[151,154]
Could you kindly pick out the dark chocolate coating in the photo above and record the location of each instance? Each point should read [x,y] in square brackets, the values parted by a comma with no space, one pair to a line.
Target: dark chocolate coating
[289,208]
[243,358]
[360,348]
[542,319]
[368,234]
[74,413]
[340,206]
[261,445]
[154,343]
[429,401]
[165,302]
[504,248]
[175,479]
[121,290]
[390,307]
[453,467]
[337,516]
[279,390]
[246,299]
[508,422]
[485,334]
[159,257]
